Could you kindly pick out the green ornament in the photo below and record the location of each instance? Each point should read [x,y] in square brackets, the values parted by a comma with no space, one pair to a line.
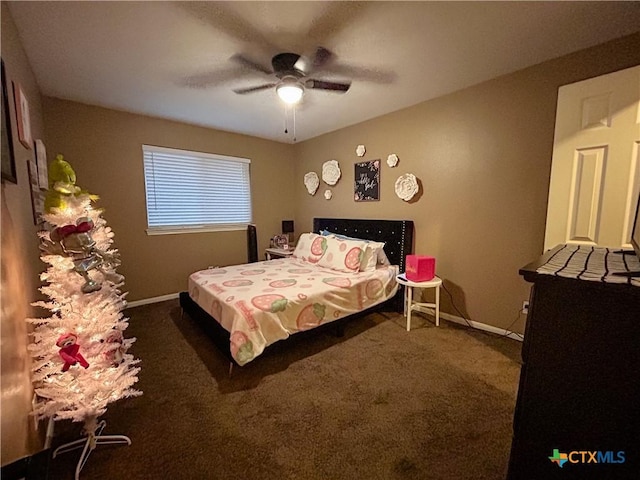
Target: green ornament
[62,185]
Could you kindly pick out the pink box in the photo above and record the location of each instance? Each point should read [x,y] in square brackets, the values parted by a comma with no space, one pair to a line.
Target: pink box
[420,268]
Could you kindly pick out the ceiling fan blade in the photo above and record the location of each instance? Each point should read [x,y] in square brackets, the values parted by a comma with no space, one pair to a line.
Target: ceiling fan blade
[360,73]
[222,17]
[321,57]
[323,85]
[246,62]
[335,18]
[209,79]
[243,91]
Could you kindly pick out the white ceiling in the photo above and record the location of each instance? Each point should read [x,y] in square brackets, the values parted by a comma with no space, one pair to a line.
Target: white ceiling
[172,59]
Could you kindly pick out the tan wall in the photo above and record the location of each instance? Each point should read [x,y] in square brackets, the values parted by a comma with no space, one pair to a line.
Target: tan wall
[105,148]
[483,156]
[20,263]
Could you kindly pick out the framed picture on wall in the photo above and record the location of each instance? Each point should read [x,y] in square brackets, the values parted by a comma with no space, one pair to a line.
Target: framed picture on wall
[37,195]
[367,181]
[41,161]
[8,158]
[22,116]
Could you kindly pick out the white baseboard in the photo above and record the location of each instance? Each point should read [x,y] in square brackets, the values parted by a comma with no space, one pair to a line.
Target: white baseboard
[147,301]
[478,325]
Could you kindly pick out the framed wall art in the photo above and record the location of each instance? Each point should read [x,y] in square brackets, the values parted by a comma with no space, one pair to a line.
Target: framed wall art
[41,161]
[37,195]
[367,181]
[22,116]
[8,158]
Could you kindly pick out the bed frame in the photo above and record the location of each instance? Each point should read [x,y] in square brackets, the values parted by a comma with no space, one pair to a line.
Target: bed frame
[397,236]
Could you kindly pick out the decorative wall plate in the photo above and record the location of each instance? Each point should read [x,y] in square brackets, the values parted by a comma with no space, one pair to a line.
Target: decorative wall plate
[331,172]
[328,194]
[360,150]
[392,160]
[312,182]
[407,186]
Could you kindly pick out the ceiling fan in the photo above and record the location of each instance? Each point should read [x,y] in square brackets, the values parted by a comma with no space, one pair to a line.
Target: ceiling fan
[292,75]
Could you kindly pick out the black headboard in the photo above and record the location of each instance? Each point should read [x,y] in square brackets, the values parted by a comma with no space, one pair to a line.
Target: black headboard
[397,234]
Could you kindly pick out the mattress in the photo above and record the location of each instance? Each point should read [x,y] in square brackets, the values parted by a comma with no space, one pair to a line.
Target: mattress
[263,302]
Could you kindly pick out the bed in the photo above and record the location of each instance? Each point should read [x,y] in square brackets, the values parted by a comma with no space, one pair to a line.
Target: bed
[246,308]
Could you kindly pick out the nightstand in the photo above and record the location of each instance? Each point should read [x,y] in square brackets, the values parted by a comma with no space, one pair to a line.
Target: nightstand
[272,253]
[410,305]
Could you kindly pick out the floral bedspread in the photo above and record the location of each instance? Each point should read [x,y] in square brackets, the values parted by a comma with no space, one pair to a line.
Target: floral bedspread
[263,302]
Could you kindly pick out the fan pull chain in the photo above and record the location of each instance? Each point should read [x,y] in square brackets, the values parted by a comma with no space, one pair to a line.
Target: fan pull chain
[286,130]
[286,120]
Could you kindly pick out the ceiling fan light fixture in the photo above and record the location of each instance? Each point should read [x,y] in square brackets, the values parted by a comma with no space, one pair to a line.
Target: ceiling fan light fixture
[290,93]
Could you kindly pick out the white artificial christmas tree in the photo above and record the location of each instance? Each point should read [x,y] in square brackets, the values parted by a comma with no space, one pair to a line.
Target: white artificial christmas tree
[80,359]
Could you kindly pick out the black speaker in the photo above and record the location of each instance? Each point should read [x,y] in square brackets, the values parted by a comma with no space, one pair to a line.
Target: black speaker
[252,244]
[287,228]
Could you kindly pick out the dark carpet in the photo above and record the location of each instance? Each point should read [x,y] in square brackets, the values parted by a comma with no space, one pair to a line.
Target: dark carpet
[377,403]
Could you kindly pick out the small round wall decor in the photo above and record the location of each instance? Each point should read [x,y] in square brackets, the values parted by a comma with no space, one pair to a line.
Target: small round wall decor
[312,182]
[392,160]
[328,194]
[406,186]
[360,150]
[331,172]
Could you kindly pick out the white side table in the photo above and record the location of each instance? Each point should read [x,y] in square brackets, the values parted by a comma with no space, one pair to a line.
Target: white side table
[272,253]
[410,305]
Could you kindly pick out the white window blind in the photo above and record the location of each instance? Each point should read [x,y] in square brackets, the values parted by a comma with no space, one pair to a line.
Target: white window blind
[194,191]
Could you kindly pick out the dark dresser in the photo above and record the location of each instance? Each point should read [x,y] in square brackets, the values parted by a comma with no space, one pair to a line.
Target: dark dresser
[579,393]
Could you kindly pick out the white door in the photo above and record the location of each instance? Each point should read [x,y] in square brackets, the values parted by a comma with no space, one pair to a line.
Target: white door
[594,171]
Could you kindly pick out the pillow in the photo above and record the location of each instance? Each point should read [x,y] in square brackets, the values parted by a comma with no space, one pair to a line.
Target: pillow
[370,260]
[374,253]
[342,255]
[382,258]
[310,247]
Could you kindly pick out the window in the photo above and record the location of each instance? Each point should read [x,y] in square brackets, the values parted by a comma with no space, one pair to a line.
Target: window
[194,191]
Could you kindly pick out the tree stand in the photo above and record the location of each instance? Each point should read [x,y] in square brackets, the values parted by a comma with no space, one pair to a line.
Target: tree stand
[88,444]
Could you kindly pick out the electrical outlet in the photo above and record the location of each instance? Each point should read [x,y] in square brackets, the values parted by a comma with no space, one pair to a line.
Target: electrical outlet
[525,307]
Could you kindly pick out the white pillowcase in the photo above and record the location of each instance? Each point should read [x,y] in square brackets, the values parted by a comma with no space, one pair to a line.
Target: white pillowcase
[343,255]
[373,255]
[310,247]
[382,257]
